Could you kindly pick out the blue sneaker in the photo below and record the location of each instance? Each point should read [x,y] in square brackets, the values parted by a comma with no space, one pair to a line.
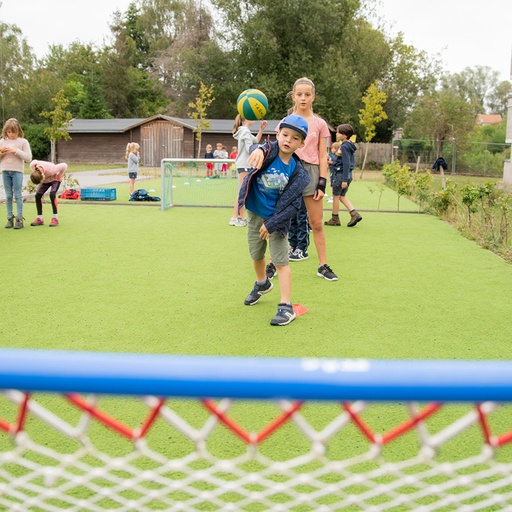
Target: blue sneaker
[298,255]
[257,292]
[284,316]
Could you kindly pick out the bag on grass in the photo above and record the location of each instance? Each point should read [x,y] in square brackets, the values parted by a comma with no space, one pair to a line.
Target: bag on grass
[142,195]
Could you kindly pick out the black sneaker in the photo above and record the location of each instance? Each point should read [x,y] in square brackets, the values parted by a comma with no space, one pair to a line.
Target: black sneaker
[284,316]
[257,292]
[326,272]
[271,270]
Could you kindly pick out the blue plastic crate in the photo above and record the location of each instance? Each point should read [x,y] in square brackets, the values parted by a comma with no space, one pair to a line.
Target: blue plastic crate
[98,194]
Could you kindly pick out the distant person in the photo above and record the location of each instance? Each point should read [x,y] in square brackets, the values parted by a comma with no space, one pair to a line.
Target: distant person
[14,152]
[232,156]
[48,176]
[209,154]
[217,168]
[133,156]
[272,194]
[242,134]
[341,177]
[225,155]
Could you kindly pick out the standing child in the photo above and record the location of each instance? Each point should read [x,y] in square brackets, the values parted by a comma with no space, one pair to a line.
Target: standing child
[14,152]
[272,194]
[314,156]
[232,156]
[225,164]
[133,156]
[217,168]
[209,166]
[47,176]
[341,177]
[242,133]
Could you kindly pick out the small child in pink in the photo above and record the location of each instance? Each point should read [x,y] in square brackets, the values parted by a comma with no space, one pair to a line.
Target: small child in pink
[47,176]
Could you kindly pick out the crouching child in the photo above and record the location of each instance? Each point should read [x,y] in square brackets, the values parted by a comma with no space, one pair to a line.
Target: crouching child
[48,176]
[272,195]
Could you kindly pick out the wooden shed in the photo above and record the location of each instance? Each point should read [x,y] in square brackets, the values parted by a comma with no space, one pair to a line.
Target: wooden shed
[103,141]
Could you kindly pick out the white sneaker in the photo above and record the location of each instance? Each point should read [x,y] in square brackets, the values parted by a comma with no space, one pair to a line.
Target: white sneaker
[239,222]
[232,221]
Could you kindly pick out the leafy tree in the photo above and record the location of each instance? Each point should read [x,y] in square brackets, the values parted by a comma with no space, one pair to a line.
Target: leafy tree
[441,116]
[39,142]
[410,74]
[16,64]
[497,99]
[93,105]
[371,114]
[60,119]
[199,112]
[473,85]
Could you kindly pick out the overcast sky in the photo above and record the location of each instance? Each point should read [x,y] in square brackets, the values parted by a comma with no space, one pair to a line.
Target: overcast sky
[466,33]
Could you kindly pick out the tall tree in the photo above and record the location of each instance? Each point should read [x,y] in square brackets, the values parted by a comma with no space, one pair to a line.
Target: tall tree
[473,84]
[60,119]
[16,64]
[441,116]
[497,99]
[372,114]
[199,110]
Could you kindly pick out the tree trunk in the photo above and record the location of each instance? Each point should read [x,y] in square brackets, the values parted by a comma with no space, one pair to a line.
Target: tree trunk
[364,159]
[53,155]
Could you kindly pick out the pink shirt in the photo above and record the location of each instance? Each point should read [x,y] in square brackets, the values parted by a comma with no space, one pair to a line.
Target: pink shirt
[317,130]
[52,172]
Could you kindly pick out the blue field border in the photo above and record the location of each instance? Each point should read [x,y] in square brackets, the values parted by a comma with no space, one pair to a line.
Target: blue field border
[255,378]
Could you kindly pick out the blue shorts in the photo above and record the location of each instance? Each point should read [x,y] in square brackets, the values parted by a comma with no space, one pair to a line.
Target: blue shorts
[336,182]
[132,175]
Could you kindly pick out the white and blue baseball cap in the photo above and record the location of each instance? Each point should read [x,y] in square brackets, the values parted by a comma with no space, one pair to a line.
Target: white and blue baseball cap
[295,122]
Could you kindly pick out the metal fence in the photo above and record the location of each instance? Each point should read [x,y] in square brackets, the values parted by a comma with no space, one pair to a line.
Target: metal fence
[475,158]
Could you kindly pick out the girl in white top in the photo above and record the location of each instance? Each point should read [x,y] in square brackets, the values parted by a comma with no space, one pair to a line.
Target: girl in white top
[133,157]
[242,133]
[14,152]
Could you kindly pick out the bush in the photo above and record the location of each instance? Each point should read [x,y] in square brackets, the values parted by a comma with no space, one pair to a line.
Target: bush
[39,142]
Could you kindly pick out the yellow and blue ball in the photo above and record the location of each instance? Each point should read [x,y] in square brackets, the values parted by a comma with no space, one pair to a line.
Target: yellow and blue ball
[252,104]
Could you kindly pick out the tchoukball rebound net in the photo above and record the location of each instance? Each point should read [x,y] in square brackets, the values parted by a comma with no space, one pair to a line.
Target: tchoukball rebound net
[101,431]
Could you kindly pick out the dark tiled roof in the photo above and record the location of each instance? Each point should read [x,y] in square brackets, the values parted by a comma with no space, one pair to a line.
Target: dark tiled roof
[123,125]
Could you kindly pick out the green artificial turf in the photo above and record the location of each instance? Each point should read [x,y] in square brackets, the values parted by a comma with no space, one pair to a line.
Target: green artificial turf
[198,191]
[133,278]
[136,279]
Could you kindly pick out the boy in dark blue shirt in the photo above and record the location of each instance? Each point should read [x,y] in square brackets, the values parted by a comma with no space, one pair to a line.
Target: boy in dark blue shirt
[272,195]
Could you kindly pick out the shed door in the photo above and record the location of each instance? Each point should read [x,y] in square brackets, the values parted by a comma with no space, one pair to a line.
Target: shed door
[160,139]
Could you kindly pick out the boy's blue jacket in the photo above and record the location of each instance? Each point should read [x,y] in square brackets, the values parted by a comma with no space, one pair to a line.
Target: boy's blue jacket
[345,163]
[290,199]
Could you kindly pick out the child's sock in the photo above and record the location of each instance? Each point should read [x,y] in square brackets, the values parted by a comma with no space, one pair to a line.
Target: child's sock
[335,214]
[40,217]
[55,215]
[261,283]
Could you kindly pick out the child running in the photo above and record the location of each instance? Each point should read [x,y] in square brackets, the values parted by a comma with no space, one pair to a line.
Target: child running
[47,176]
[272,195]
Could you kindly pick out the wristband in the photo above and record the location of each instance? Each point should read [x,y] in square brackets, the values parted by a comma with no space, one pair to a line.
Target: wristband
[322,182]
